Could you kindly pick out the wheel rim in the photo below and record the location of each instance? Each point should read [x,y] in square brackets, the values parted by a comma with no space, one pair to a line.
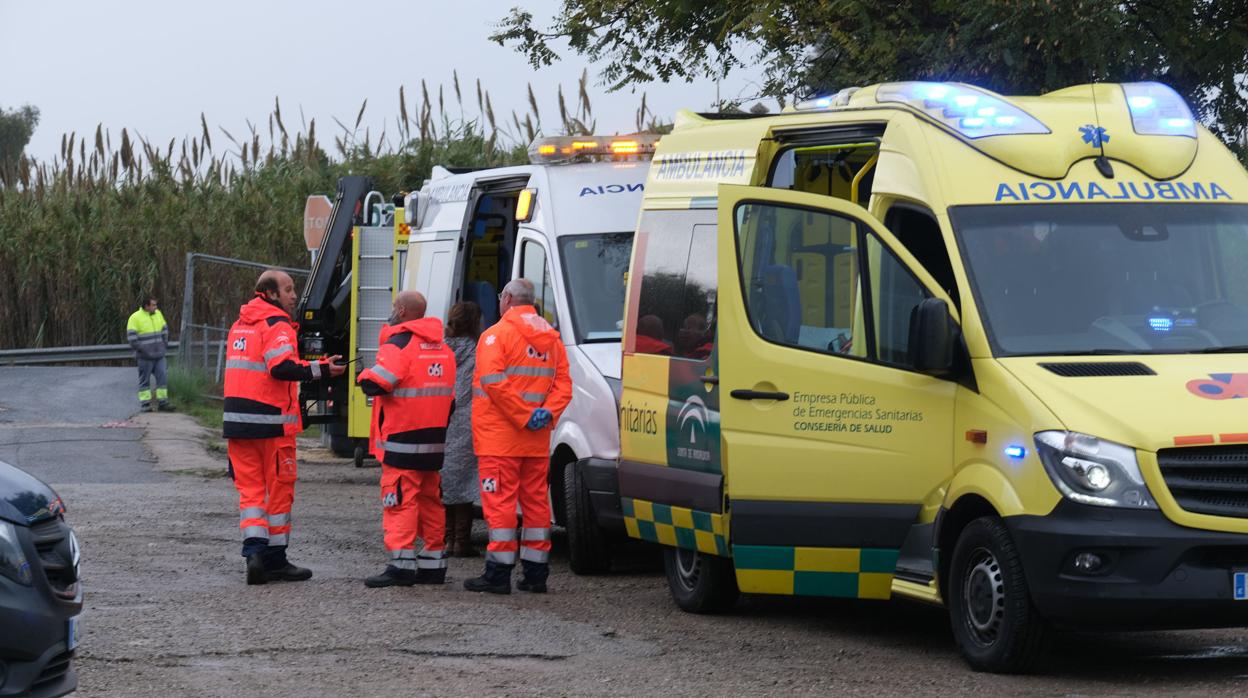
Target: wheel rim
[983,597]
[688,568]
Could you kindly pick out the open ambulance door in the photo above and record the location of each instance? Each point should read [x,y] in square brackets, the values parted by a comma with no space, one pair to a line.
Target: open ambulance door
[832,435]
[487,244]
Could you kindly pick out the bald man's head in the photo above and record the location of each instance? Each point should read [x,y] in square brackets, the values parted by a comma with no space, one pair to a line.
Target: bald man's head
[278,288]
[408,305]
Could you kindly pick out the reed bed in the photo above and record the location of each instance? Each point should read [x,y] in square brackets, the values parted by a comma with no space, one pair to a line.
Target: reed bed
[112,217]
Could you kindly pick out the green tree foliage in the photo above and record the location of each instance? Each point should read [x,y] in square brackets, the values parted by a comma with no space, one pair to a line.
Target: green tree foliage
[16,128]
[1200,47]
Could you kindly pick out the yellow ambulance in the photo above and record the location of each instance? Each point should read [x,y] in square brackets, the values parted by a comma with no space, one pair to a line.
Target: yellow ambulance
[923,340]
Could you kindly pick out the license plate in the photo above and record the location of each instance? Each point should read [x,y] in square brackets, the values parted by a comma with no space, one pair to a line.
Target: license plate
[1239,586]
[71,640]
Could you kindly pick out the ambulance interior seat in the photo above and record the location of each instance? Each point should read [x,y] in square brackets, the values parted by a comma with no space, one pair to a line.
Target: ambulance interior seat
[780,303]
[485,296]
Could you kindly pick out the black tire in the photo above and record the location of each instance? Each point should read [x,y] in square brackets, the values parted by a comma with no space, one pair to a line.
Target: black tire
[588,551]
[342,446]
[358,456]
[700,583]
[994,622]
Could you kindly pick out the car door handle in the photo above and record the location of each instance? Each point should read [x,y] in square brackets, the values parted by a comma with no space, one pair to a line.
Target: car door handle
[712,380]
[758,395]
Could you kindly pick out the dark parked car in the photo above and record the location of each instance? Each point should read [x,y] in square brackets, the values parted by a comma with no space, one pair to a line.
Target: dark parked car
[40,597]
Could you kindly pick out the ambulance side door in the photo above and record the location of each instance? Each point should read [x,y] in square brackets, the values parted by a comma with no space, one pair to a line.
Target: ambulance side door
[831,438]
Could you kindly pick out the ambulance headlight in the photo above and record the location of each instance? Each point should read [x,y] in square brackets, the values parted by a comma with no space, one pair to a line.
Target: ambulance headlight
[1157,110]
[1089,470]
[973,112]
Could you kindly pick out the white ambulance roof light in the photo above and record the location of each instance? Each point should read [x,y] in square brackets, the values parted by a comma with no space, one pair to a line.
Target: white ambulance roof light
[840,99]
[968,110]
[1157,110]
[563,149]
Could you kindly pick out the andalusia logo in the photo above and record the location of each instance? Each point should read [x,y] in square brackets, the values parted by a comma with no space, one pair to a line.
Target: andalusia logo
[691,423]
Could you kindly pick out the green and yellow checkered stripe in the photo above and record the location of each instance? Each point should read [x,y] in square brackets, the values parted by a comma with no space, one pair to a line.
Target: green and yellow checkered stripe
[863,573]
[675,526]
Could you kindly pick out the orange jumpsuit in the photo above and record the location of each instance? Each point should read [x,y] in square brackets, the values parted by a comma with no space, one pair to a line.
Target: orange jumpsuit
[413,384]
[261,418]
[521,366]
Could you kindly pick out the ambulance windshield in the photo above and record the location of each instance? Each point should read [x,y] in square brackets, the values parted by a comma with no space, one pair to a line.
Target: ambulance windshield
[1086,279]
[593,268]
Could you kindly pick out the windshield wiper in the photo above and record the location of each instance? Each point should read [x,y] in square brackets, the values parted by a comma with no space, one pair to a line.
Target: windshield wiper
[1093,352]
[1241,349]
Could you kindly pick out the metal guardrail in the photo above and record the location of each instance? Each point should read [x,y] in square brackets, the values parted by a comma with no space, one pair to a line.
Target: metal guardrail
[66,355]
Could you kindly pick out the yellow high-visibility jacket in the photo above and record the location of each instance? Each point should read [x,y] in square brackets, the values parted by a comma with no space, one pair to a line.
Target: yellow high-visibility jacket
[148,334]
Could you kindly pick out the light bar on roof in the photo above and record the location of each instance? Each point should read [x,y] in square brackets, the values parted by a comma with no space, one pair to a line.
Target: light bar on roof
[973,112]
[1157,110]
[564,149]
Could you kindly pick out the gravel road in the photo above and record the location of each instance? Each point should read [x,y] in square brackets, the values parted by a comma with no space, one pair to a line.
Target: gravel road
[167,613]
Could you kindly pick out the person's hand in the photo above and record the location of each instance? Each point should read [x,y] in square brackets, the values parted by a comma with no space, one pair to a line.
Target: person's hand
[335,369]
[539,419]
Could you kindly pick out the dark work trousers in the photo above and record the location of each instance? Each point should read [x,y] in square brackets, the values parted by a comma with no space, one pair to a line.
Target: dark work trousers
[147,369]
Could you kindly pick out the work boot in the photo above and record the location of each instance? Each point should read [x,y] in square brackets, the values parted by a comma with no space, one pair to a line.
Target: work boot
[437,576]
[448,531]
[462,535]
[496,580]
[255,569]
[288,573]
[165,407]
[145,408]
[392,577]
[534,577]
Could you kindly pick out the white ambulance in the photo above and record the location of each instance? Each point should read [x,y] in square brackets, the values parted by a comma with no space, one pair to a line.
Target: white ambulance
[565,222]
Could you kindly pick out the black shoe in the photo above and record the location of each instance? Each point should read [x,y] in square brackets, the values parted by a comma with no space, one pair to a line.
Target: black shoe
[437,576]
[484,584]
[288,573]
[145,408]
[255,569]
[533,587]
[392,577]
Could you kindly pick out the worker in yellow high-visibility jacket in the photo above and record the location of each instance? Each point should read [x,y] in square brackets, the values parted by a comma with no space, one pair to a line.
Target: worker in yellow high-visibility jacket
[148,334]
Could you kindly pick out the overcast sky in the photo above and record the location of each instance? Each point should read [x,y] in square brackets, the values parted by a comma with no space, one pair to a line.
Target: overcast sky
[153,65]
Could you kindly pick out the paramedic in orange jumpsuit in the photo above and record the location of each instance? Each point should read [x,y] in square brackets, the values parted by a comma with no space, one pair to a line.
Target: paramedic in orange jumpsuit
[520,388]
[413,389]
[261,418]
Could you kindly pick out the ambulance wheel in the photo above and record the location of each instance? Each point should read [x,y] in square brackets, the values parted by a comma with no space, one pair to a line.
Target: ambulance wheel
[700,583]
[994,622]
[587,544]
[358,456]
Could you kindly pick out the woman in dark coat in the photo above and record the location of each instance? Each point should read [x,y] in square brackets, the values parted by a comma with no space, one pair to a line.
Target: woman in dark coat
[459,469]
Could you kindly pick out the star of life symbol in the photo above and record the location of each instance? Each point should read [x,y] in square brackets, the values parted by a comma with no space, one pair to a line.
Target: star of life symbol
[489,341]
[489,484]
[1094,136]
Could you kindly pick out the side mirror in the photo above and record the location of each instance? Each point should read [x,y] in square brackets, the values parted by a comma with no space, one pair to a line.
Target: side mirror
[412,213]
[933,337]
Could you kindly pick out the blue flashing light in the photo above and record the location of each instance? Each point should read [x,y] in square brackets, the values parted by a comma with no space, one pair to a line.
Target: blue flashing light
[970,111]
[1157,110]
[823,102]
[1161,324]
[1015,452]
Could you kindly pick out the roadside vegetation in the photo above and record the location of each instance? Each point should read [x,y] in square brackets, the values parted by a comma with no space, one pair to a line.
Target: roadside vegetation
[114,215]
